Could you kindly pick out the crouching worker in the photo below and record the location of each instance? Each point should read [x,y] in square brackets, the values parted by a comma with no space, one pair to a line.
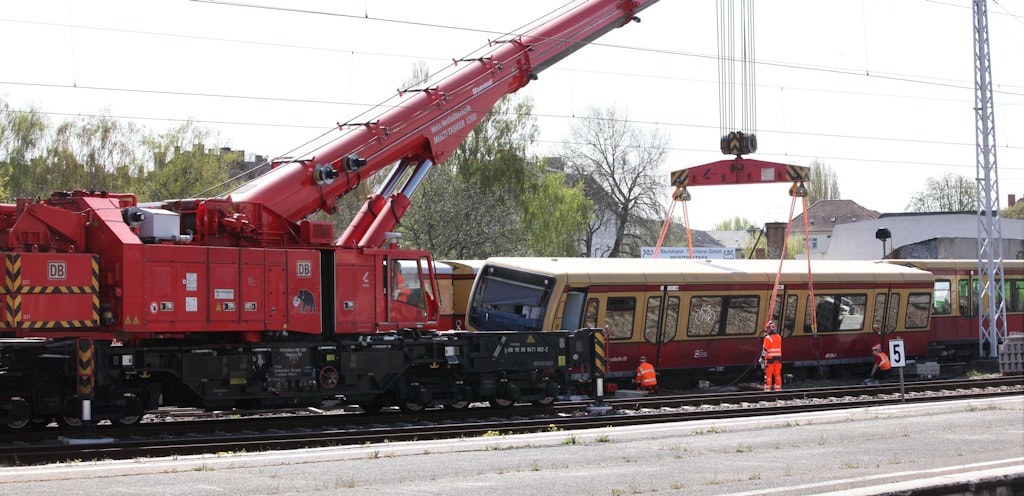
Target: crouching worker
[646,377]
[880,370]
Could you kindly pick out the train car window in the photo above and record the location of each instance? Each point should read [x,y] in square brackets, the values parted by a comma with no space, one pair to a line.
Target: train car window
[671,319]
[918,305]
[968,305]
[894,313]
[406,285]
[878,314]
[651,321]
[837,312]
[619,317]
[506,299]
[590,313]
[1015,295]
[705,313]
[741,315]
[789,325]
[943,293]
[717,315]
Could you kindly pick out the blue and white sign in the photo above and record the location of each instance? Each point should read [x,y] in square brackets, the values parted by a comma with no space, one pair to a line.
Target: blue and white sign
[702,252]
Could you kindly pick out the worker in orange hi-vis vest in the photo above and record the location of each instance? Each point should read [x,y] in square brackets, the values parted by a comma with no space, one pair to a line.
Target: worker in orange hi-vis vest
[646,377]
[771,353]
[881,368]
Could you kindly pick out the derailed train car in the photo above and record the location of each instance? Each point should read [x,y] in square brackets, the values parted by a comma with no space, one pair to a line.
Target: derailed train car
[697,319]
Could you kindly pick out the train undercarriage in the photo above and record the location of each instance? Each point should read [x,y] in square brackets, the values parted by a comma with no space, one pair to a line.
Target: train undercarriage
[44,380]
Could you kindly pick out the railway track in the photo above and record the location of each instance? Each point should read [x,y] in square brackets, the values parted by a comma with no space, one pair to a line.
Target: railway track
[194,435]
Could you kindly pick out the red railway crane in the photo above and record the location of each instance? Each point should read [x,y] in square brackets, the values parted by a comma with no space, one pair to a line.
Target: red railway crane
[242,300]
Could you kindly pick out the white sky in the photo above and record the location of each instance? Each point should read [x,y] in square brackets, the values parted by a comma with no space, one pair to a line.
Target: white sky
[881,90]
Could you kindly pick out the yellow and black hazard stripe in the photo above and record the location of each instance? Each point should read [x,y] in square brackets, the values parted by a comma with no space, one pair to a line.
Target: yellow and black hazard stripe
[12,273]
[86,367]
[600,354]
[681,178]
[12,283]
[798,173]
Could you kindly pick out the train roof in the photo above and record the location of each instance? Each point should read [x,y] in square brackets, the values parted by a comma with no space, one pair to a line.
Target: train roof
[953,264]
[674,271]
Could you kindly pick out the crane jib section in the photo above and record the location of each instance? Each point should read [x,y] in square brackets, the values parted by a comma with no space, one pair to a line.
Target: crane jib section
[429,124]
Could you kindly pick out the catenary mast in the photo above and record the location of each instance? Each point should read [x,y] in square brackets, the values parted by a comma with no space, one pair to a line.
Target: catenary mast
[990,294]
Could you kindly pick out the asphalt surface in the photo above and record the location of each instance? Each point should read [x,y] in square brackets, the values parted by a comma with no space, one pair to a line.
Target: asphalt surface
[853,451]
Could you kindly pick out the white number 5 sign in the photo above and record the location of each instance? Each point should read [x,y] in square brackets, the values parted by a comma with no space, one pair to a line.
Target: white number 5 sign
[897,353]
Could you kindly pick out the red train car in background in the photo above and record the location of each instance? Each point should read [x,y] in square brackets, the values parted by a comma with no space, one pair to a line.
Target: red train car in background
[954,324]
[454,283]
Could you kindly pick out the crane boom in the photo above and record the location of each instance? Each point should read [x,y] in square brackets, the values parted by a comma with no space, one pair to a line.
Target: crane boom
[422,129]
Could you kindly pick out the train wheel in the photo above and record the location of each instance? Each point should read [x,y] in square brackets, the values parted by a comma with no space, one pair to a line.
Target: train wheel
[411,406]
[40,423]
[501,402]
[132,404]
[458,405]
[68,422]
[22,405]
[545,401]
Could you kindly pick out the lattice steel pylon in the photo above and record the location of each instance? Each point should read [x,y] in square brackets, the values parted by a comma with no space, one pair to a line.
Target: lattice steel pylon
[990,294]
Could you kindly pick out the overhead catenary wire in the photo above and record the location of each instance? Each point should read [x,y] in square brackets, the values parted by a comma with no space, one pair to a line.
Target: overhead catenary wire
[913,79]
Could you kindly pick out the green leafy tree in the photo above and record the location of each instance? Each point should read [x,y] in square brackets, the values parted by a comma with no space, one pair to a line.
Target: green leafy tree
[518,207]
[183,167]
[824,183]
[735,224]
[93,153]
[23,136]
[1016,211]
[949,193]
[554,214]
[450,230]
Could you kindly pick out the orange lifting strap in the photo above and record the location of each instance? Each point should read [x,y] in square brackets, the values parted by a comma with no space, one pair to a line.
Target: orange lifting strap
[746,171]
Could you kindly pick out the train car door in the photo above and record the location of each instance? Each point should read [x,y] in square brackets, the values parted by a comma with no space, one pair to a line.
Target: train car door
[661,321]
[784,314]
[885,315]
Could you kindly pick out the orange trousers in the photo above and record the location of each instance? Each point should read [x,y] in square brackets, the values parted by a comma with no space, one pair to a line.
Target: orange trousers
[773,370]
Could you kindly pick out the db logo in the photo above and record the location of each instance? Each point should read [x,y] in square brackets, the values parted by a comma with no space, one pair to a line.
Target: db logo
[56,270]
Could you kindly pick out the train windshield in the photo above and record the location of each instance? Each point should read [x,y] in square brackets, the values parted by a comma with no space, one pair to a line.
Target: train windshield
[507,299]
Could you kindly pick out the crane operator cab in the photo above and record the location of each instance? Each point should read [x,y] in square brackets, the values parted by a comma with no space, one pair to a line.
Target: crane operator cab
[406,286]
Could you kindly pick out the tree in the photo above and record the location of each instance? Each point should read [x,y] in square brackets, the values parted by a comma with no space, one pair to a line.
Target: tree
[735,224]
[182,165]
[824,183]
[555,214]
[949,193]
[613,156]
[22,136]
[518,206]
[1015,211]
[450,230]
[94,153]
